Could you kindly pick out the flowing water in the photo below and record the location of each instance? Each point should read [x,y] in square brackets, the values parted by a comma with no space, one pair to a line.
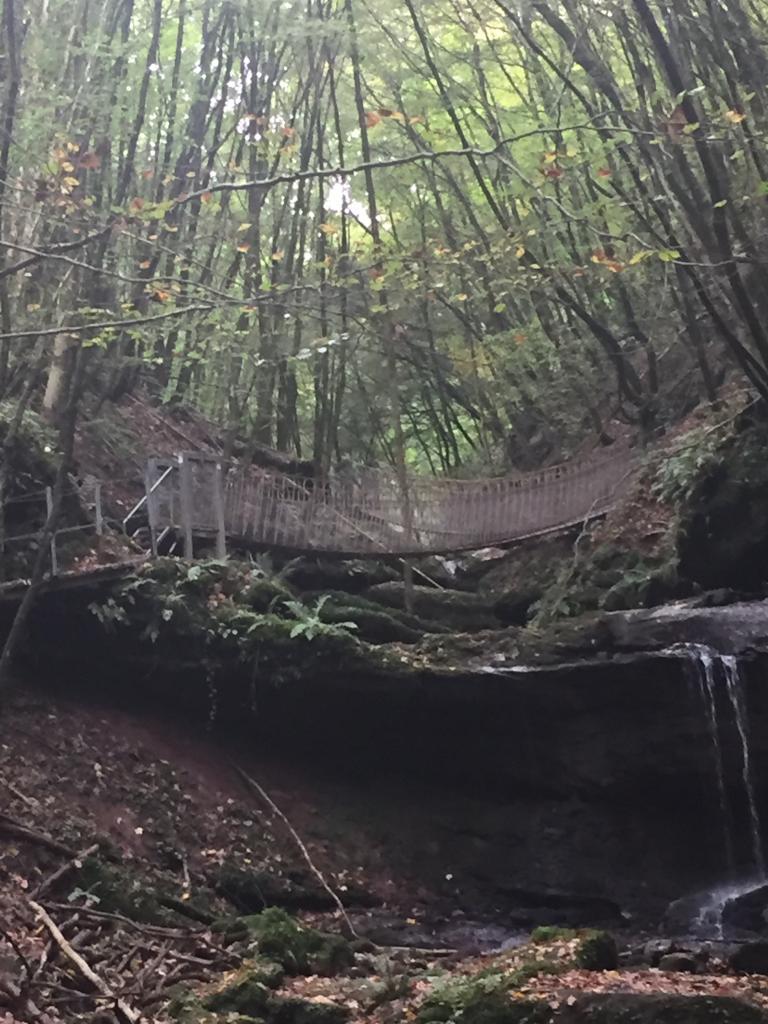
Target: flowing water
[715,670]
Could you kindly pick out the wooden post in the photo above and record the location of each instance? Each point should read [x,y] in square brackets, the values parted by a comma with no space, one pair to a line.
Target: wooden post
[218,504]
[49,509]
[185,486]
[97,506]
[149,483]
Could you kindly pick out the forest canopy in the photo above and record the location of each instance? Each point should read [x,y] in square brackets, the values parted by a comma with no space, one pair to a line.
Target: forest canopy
[485,232]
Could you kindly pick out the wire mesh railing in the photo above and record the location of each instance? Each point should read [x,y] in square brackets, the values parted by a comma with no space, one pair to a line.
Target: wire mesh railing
[367,513]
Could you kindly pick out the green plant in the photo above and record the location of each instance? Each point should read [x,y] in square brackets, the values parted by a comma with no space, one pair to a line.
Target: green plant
[677,474]
[309,623]
[552,933]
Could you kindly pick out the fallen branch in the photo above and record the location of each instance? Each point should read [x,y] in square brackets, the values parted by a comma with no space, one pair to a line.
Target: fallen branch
[254,785]
[59,873]
[14,828]
[122,1008]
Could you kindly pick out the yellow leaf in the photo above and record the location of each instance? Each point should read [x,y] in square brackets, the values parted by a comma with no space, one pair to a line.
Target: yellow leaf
[329,229]
[243,227]
[243,247]
[277,255]
[32,306]
[71,182]
[520,251]
[67,165]
[734,116]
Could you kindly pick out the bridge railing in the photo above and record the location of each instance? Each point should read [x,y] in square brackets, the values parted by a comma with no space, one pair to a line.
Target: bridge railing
[365,513]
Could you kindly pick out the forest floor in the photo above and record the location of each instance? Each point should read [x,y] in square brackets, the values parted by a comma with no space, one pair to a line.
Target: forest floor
[116,826]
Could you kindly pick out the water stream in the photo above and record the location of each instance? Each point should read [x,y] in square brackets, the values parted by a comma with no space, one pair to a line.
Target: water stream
[721,673]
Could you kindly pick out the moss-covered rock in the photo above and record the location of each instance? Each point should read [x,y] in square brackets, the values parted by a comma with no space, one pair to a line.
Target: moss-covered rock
[597,951]
[290,1010]
[247,990]
[456,609]
[299,949]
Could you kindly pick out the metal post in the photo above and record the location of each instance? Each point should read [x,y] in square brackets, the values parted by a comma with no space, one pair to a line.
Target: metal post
[149,484]
[49,509]
[185,480]
[97,505]
[218,504]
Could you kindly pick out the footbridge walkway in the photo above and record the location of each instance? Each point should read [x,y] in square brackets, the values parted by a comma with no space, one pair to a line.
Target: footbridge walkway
[371,513]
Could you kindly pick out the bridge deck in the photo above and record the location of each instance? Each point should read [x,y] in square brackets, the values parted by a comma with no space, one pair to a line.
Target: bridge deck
[368,514]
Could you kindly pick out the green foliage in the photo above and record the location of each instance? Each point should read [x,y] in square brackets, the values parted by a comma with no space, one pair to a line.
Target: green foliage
[299,949]
[552,933]
[213,602]
[483,998]
[678,473]
[310,623]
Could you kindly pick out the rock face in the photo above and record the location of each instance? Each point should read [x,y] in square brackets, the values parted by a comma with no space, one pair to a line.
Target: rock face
[550,791]
[724,536]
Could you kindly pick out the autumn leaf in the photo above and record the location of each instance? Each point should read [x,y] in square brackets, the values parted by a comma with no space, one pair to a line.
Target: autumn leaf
[137,204]
[519,338]
[734,116]
[160,296]
[603,172]
[243,247]
[206,197]
[372,119]
[145,264]
[329,229]
[277,255]
[552,172]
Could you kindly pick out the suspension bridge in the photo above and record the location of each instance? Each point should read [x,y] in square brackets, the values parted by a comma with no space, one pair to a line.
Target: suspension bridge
[194,502]
[371,512]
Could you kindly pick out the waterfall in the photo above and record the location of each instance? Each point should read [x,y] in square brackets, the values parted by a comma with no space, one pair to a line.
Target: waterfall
[704,660]
[736,694]
[707,662]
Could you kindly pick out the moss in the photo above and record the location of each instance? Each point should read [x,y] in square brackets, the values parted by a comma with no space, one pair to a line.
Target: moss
[304,1011]
[300,950]
[552,933]
[597,951]
[485,998]
[247,990]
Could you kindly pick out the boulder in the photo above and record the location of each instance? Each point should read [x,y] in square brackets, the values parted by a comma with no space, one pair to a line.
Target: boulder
[678,963]
[751,958]
[747,912]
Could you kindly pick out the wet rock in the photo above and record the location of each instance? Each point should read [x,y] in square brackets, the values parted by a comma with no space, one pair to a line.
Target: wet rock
[747,911]
[550,907]
[751,958]
[681,963]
